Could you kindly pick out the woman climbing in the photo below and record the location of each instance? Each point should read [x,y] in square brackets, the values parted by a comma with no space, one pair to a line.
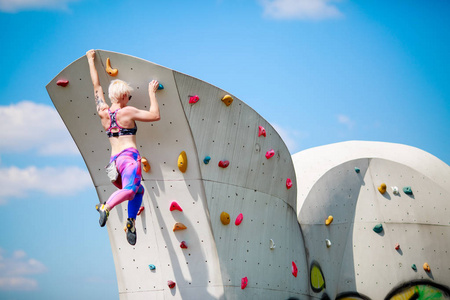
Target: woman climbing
[119,122]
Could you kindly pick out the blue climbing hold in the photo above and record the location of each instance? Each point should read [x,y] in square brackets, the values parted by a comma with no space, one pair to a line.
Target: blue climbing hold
[152,267]
[378,228]
[357,170]
[207,159]
[407,190]
[414,267]
[160,87]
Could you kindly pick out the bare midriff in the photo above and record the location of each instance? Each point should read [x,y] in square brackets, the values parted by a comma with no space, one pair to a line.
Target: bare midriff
[121,143]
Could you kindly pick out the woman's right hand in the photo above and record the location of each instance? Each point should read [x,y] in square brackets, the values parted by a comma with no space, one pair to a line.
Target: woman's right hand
[90,54]
[153,86]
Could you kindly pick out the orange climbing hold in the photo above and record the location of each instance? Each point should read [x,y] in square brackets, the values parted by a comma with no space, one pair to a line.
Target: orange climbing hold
[244,282]
[146,164]
[224,163]
[270,153]
[140,210]
[262,132]
[175,206]
[62,82]
[179,226]
[294,269]
[227,99]
[329,220]
[109,70]
[182,162]
[382,188]
[426,267]
[288,183]
[225,218]
[239,219]
[183,245]
[171,284]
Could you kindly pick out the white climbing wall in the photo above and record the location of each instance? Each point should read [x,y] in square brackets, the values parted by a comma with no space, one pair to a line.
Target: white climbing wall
[218,255]
[359,259]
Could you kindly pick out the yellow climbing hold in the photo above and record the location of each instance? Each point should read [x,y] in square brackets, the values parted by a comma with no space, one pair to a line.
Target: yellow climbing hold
[382,188]
[227,99]
[329,220]
[179,226]
[317,280]
[109,70]
[146,164]
[182,161]
[225,218]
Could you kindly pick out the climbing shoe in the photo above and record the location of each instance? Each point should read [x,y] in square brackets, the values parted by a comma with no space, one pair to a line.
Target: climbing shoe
[131,232]
[104,214]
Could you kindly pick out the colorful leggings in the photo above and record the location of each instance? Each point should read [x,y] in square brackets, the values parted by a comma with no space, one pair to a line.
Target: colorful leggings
[128,164]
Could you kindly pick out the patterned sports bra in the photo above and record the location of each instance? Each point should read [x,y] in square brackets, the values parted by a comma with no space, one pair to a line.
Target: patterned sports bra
[114,124]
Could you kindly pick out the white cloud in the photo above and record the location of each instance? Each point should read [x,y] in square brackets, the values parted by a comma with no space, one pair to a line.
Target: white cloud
[17,183]
[290,137]
[13,6]
[301,9]
[14,271]
[343,119]
[32,126]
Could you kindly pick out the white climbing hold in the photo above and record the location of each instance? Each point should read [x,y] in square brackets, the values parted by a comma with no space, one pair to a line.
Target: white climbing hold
[328,243]
[272,244]
[394,190]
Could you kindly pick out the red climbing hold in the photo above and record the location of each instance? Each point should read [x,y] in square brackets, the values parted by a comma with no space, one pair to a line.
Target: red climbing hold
[183,245]
[174,205]
[140,210]
[224,163]
[171,284]
[193,99]
[244,282]
[262,131]
[397,246]
[270,153]
[288,183]
[239,219]
[62,82]
[294,269]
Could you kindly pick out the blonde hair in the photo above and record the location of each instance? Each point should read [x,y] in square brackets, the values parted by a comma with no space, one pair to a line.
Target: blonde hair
[117,89]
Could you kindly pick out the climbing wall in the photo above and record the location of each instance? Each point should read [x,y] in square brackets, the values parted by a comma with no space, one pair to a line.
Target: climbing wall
[377,243]
[206,259]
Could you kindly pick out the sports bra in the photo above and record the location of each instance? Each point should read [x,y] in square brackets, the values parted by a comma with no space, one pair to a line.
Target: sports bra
[114,124]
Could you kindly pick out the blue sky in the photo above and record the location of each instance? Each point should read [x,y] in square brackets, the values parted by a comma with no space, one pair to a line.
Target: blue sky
[320,71]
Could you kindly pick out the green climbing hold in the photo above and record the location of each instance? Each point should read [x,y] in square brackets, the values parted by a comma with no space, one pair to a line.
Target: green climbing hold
[414,267]
[407,190]
[378,228]
[357,170]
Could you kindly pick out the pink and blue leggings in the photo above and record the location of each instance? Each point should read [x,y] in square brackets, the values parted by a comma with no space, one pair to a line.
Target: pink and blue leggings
[128,164]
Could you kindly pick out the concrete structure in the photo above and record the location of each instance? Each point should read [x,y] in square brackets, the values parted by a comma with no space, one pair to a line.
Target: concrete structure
[219,256]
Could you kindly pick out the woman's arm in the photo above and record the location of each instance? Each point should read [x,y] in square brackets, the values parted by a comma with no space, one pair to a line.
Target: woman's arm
[98,91]
[153,113]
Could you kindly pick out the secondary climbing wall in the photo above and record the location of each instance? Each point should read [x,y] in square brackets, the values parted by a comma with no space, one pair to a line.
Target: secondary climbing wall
[207,259]
[379,241]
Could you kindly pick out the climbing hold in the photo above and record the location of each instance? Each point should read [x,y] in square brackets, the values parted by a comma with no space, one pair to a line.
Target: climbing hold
[316,278]
[160,87]
[288,183]
[182,162]
[294,269]
[271,244]
[224,163]
[146,164]
[151,267]
[171,284]
[239,219]
[262,131]
[244,282]
[394,190]
[183,245]
[179,226]
[426,267]
[378,228]
[140,210]
[109,70]
[270,153]
[397,246]
[225,218]
[174,205]
[207,159]
[227,99]
[329,220]
[62,82]
[328,243]
[382,188]
[407,190]
[414,267]
[193,99]
[357,170]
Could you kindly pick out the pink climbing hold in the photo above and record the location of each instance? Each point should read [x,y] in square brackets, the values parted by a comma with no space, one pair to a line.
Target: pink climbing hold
[239,219]
[270,153]
[262,131]
[294,269]
[288,183]
[244,282]
[140,210]
[183,245]
[62,82]
[224,163]
[171,284]
[175,206]
[193,99]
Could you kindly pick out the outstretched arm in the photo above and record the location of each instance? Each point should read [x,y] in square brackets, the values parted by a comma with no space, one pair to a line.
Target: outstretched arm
[153,113]
[98,91]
